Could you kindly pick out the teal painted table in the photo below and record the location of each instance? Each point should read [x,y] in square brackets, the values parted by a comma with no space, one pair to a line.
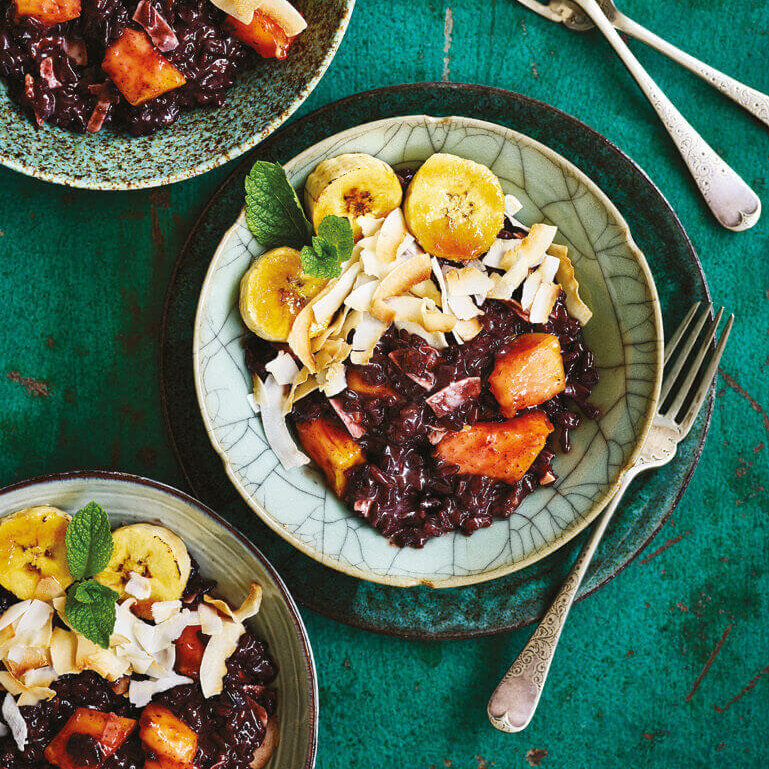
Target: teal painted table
[667,666]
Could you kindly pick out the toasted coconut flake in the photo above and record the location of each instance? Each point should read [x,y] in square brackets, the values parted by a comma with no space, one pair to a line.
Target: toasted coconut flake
[20,659]
[400,280]
[549,268]
[369,224]
[64,651]
[428,290]
[89,656]
[360,297]
[568,281]
[48,588]
[435,339]
[496,253]
[213,666]
[422,311]
[37,615]
[13,614]
[467,281]
[332,379]
[543,302]
[299,337]
[283,367]
[269,395]
[368,332]
[164,610]
[533,247]
[248,608]
[465,330]
[210,620]
[326,306]
[303,385]
[138,586]
[391,234]
[28,695]
[140,693]
[512,206]
[15,721]
[463,307]
[530,287]
[242,10]
[42,676]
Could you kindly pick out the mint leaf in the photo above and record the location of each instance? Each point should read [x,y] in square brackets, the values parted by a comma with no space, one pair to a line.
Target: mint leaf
[273,211]
[332,246]
[337,232]
[89,542]
[90,609]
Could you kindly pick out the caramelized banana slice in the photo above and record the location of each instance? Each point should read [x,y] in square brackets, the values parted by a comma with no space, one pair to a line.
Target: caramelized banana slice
[454,207]
[274,291]
[352,185]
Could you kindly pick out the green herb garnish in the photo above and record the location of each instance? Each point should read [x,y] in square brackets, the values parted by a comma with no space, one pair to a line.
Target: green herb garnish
[275,217]
[90,607]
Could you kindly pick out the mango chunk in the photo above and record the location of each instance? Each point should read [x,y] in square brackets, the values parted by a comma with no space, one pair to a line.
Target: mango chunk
[88,730]
[138,69]
[167,736]
[529,373]
[263,34]
[332,448]
[501,450]
[48,11]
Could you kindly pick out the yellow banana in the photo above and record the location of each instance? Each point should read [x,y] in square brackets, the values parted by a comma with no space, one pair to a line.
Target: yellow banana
[454,207]
[351,185]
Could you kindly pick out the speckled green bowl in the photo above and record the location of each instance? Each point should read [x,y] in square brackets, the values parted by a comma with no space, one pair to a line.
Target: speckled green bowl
[263,97]
[224,555]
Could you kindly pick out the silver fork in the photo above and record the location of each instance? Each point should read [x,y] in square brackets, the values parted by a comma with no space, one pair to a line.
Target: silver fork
[732,201]
[684,390]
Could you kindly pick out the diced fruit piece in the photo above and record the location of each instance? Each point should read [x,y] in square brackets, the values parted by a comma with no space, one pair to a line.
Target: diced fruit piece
[167,736]
[189,651]
[332,448]
[454,207]
[263,34]
[273,292]
[138,69]
[530,372]
[91,735]
[501,450]
[48,11]
[356,382]
[264,752]
[351,185]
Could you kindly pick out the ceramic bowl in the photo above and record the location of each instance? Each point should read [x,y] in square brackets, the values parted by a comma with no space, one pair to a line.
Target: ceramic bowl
[263,97]
[223,555]
[625,334]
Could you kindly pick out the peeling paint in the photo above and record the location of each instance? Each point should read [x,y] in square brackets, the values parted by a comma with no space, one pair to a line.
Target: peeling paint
[37,388]
[754,404]
[745,689]
[709,662]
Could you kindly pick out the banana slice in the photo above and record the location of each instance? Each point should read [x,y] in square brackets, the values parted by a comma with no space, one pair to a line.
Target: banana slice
[454,207]
[273,291]
[153,552]
[352,185]
[33,552]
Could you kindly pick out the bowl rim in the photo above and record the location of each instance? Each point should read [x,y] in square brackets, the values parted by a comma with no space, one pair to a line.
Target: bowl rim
[94,183]
[567,534]
[140,480]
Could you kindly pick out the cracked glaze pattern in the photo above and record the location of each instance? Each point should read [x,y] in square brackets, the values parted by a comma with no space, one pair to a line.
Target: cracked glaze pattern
[625,334]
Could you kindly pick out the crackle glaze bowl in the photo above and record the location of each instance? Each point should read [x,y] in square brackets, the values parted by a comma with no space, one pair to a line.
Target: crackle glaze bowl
[264,96]
[625,334]
[223,555]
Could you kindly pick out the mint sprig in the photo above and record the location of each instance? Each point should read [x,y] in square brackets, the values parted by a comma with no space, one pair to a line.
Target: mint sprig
[90,607]
[275,217]
[89,542]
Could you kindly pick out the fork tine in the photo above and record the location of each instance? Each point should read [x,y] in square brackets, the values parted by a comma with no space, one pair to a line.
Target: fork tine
[676,338]
[710,373]
[694,367]
[691,339]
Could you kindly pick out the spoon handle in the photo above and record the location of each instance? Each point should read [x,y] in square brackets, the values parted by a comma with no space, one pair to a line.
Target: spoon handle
[731,200]
[514,701]
[748,98]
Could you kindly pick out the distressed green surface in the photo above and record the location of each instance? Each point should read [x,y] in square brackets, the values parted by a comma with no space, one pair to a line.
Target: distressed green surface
[83,277]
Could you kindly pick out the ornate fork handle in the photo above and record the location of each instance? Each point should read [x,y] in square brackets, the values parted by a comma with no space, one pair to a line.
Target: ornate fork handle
[748,98]
[731,200]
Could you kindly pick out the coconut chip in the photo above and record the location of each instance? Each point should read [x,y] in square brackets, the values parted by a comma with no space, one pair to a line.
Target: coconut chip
[213,665]
[434,339]
[210,620]
[512,206]
[15,721]
[28,695]
[283,367]
[401,279]
[89,656]
[242,10]
[140,693]
[64,652]
[369,224]
[249,608]
[467,281]
[325,307]
[163,610]
[138,586]
[368,332]
[269,395]
[568,282]
[422,311]
[391,235]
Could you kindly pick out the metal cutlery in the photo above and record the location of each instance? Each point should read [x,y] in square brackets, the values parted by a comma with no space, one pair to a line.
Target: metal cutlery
[734,204]
[684,390]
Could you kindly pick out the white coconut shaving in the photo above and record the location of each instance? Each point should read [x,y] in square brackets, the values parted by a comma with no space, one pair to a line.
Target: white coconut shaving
[283,367]
[368,332]
[270,397]
[140,693]
[210,620]
[163,610]
[213,666]
[15,721]
[138,586]
[369,224]
[512,206]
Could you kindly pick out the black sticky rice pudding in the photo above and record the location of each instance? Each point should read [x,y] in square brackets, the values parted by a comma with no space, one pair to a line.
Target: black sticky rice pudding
[230,726]
[54,72]
[401,488]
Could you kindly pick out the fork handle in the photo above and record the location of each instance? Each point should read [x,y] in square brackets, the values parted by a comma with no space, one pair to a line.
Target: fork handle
[731,200]
[748,98]
[512,705]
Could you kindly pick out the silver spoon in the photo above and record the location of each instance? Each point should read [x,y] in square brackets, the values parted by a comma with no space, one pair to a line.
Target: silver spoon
[734,204]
